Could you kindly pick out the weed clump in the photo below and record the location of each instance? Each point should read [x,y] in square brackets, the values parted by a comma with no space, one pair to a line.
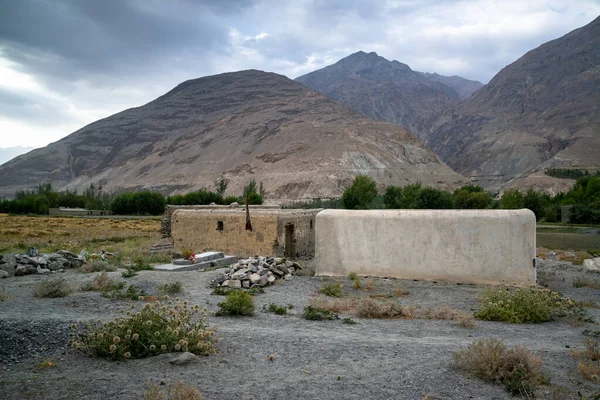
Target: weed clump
[171,288]
[589,361]
[333,289]
[119,292]
[101,283]
[580,282]
[3,296]
[316,314]
[522,305]
[279,310]
[517,368]
[147,331]
[128,273]
[179,391]
[141,265]
[236,303]
[53,288]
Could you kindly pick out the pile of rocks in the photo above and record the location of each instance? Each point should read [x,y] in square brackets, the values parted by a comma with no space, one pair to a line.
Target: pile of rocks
[257,272]
[34,263]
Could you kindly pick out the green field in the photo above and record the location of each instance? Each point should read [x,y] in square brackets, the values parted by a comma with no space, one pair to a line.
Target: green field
[567,237]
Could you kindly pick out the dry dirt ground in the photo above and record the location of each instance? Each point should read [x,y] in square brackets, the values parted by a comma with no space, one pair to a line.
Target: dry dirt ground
[374,359]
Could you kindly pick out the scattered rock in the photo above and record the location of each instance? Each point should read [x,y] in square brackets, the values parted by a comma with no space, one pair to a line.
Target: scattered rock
[256,271]
[184,359]
[3,274]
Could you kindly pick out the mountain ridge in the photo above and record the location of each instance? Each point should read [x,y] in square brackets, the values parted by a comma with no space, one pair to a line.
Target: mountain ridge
[249,124]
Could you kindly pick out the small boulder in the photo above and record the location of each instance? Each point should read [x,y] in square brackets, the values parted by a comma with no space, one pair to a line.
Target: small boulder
[3,274]
[43,271]
[246,284]
[271,279]
[254,278]
[264,280]
[234,283]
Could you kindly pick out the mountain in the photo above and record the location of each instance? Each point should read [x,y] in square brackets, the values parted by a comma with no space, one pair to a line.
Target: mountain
[8,153]
[463,87]
[539,112]
[248,124]
[388,91]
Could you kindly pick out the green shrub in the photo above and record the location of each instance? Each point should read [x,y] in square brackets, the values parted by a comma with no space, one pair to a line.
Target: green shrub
[128,273]
[316,314]
[118,292]
[517,368]
[353,276]
[150,330]
[141,265]
[53,288]
[173,287]
[348,321]
[279,310]
[333,289]
[237,303]
[512,199]
[519,306]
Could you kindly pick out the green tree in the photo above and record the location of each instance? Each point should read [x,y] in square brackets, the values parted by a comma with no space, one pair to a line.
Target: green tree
[430,198]
[221,184]
[358,195]
[512,199]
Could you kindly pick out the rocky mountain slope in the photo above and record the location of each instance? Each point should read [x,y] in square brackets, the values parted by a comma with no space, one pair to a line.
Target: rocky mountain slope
[8,153]
[541,111]
[248,124]
[388,90]
[463,87]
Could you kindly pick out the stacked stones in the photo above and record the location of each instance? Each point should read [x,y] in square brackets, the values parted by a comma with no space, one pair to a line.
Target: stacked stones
[257,272]
[26,264]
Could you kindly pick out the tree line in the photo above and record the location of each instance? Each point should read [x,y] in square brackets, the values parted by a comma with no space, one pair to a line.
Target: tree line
[40,200]
[363,194]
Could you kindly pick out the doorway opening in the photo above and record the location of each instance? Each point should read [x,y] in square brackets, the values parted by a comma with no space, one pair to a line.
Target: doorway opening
[290,242]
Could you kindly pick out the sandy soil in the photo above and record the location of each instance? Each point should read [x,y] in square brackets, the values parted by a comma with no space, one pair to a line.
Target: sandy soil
[374,359]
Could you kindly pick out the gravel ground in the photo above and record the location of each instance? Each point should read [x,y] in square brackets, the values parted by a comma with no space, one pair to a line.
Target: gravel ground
[374,359]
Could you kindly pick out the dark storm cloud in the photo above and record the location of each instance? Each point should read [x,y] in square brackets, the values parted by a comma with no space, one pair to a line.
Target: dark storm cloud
[64,63]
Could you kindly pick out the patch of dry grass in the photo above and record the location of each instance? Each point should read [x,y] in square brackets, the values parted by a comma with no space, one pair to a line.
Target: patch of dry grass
[53,288]
[101,283]
[333,305]
[3,296]
[97,266]
[581,282]
[589,360]
[576,258]
[130,238]
[179,391]
[517,368]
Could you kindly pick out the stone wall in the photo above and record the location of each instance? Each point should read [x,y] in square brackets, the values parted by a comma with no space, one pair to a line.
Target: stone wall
[474,246]
[77,212]
[224,230]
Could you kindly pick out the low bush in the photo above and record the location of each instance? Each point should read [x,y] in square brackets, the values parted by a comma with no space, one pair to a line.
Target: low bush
[171,288]
[517,368]
[179,391]
[348,321]
[236,303]
[316,314]
[333,289]
[101,282]
[3,296]
[529,305]
[333,305]
[53,288]
[147,331]
[97,266]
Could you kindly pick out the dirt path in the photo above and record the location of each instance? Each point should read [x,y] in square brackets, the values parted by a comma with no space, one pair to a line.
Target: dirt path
[374,359]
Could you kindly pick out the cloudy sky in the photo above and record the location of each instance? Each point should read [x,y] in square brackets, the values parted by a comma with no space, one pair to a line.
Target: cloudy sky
[66,63]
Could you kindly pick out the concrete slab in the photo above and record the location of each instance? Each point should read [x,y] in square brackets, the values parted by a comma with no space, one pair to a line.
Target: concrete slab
[202,257]
[226,260]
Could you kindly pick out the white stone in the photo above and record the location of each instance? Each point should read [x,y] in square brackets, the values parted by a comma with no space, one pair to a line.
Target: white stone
[235,284]
[271,279]
[254,278]
[591,264]
[471,246]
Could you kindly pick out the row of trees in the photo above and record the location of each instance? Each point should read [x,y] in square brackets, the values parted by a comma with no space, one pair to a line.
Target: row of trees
[39,201]
[584,197]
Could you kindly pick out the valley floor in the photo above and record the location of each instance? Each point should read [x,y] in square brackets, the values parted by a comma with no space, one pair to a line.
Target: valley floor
[373,359]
